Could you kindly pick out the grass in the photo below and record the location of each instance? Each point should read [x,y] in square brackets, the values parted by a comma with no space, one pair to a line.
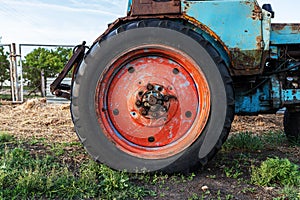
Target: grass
[247,141]
[24,175]
[5,137]
[56,173]
[243,141]
[5,96]
[272,172]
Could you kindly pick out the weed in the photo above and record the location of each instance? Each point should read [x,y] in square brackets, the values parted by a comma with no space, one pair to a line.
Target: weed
[159,179]
[289,192]
[229,196]
[274,139]
[212,176]
[232,172]
[276,171]
[248,189]
[191,177]
[5,137]
[35,141]
[244,141]
[194,197]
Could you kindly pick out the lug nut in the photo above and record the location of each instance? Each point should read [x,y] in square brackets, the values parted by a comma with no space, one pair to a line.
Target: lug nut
[150,86]
[138,103]
[144,112]
[166,98]
[140,93]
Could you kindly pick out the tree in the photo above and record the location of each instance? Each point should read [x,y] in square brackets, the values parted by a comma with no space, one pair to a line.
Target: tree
[51,62]
[4,66]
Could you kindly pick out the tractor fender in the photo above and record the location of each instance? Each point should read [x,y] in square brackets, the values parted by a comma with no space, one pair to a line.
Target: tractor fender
[197,26]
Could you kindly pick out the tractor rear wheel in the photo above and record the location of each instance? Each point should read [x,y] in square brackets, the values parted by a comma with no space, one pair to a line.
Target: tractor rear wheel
[291,123]
[152,96]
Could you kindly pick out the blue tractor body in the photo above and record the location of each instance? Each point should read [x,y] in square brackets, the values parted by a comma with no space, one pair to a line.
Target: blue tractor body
[256,50]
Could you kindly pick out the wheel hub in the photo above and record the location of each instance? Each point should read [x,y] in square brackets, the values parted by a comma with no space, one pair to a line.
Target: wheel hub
[154,102]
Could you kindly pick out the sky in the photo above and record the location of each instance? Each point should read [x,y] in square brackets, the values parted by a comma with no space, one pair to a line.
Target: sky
[69,22]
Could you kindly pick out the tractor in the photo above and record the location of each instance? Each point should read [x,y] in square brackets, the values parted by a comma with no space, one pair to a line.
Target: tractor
[159,89]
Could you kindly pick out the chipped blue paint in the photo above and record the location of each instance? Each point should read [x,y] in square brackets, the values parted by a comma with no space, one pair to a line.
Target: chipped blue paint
[291,96]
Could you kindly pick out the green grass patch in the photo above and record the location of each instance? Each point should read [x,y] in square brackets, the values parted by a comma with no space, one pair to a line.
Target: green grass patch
[247,141]
[27,176]
[5,137]
[243,141]
[5,96]
[274,139]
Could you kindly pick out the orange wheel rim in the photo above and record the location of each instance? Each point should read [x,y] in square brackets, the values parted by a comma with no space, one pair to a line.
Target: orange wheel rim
[152,102]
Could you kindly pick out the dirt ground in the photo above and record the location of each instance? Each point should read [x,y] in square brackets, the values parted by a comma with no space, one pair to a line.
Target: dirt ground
[35,119]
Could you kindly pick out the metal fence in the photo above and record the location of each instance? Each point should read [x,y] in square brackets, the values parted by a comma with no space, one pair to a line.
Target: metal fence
[16,69]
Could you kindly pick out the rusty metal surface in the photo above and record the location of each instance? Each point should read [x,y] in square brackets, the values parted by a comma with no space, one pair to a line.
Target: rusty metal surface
[285,33]
[238,25]
[154,7]
[295,28]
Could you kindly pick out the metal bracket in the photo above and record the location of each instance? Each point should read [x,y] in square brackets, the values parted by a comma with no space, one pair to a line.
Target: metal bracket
[62,90]
[155,7]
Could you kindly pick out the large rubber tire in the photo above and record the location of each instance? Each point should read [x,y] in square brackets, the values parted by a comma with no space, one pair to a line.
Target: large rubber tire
[96,71]
[291,123]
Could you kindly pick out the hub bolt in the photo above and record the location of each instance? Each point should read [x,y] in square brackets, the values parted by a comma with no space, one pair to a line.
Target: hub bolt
[150,86]
[166,98]
[144,112]
[138,103]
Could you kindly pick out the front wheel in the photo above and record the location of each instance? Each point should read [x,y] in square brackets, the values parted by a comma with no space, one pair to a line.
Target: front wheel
[152,98]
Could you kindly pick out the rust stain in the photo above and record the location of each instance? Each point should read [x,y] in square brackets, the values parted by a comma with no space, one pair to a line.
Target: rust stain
[295,28]
[246,60]
[257,12]
[259,41]
[278,27]
[187,5]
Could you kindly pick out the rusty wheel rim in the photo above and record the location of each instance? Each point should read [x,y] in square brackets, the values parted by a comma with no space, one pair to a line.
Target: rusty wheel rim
[153,101]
